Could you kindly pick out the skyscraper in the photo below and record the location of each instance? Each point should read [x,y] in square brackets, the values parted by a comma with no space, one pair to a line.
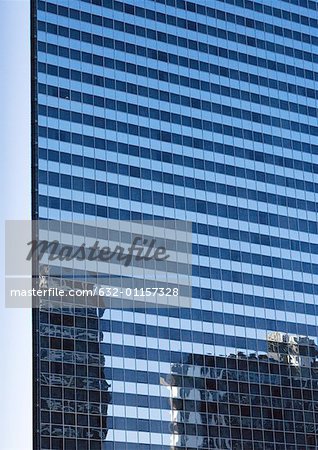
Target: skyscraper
[205,112]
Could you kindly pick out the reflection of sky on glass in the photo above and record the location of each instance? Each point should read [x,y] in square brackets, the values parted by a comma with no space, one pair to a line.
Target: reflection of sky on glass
[15,325]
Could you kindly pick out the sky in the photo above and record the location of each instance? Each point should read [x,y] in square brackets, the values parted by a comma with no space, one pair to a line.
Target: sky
[15,187]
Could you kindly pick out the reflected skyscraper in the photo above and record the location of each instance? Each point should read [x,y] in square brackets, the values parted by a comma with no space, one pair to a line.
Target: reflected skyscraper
[201,111]
[71,385]
[247,401]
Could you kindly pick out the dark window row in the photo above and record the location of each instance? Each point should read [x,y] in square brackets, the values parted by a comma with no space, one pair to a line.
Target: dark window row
[268,433]
[256,387]
[200,228]
[185,405]
[254,258]
[178,180]
[72,369]
[250,300]
[221,296]
[196,103]
[67,418]
[186,161]
[278,12]
[175,334]
[174,20]
[248,416]
[84,317]
[173,78]
[246,278]
[176,40]
[247,4]
[156,354]
[178,60]
[210,443]
[294,400]
[56,443]
[81,444]
[304,3]
[70,319]
[144,91]
[176,201]
[139,400]
[101,397]
[291,395]
[69,344]
[174,138]
[285,390]
[177,357]
[215,252]
[226,233]
[204,105]
[193,122]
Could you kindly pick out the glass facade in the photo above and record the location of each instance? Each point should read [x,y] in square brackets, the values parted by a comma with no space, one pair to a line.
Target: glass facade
[204,111]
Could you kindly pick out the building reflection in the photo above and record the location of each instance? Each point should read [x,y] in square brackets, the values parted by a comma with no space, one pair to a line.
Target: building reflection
[73,390]
[240,401]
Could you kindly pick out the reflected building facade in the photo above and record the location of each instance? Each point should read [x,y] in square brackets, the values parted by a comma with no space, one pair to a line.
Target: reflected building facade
[202,111]
[71,387]
[236,402]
